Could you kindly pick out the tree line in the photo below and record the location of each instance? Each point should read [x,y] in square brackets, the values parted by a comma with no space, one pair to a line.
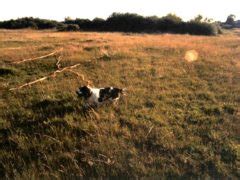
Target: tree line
[121,22]
[29,22]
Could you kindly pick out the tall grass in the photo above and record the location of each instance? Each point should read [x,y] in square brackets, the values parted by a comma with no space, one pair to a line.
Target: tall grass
[179,118]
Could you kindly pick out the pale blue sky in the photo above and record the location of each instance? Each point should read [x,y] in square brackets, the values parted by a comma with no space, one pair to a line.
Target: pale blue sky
[59,9]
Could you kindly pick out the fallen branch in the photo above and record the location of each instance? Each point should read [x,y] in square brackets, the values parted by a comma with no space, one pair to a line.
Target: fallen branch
[58,61]
[52,138]
[82,76]
[28,84]
[11,48]
[64,69]
[45,77]
[40,57]
[59,58]
[149,131]
[52,75]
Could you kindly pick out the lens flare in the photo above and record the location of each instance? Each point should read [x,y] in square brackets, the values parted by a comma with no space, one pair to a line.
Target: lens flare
[191,55]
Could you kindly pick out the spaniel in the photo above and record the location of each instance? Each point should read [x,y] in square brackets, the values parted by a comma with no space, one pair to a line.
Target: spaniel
[95,97]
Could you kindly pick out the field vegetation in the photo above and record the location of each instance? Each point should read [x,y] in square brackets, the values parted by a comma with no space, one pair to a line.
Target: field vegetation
[180,117]
[121,22]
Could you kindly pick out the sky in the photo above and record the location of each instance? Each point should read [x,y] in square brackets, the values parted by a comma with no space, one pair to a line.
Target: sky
[59,9]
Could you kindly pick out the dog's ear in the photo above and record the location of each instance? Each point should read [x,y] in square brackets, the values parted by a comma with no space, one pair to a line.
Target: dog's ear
[84,88]
[86,91]
[82,91]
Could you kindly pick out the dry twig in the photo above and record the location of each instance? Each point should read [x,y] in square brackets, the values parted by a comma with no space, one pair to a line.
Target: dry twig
[59,58]
[45,77]
[40,57]
[149,131]
[52,75]
[28,84]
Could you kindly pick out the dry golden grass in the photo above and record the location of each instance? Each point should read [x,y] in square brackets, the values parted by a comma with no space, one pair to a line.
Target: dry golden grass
[179,118]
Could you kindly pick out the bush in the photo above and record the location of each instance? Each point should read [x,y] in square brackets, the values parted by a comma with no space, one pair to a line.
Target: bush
[170,23]
[68,27]
[29,22]
[122,22]
[85,24]
[73,27]
[125,22]
[201,28]
[98,24]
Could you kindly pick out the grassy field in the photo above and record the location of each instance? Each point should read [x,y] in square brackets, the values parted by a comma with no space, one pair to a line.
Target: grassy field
[179,118]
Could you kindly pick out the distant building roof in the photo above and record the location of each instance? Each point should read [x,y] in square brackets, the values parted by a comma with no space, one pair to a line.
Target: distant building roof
[237,23]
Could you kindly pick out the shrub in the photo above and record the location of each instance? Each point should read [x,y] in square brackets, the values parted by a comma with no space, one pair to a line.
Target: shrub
[85,24]
[125,22]
[200,28]
[68,27]
[171,23]
[122,22]
[98,24]
[29,22]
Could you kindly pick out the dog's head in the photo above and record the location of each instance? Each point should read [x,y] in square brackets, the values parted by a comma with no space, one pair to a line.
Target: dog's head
[84,92]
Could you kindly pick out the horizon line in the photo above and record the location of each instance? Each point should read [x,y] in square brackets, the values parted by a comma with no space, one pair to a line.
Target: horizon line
[105,18]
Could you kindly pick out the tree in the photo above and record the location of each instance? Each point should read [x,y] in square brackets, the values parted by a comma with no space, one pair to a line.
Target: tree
[198,18]
[230,19]
[68,18]
[173,18]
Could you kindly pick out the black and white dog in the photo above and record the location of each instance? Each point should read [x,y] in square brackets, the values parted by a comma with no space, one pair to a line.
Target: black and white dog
[98,96]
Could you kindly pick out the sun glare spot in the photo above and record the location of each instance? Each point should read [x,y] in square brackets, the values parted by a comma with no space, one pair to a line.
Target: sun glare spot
[191,55]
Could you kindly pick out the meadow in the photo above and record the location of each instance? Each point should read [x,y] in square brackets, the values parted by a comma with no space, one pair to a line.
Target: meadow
[180,117]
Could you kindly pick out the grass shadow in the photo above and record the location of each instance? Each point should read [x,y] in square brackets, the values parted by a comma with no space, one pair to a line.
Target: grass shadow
[49,108]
